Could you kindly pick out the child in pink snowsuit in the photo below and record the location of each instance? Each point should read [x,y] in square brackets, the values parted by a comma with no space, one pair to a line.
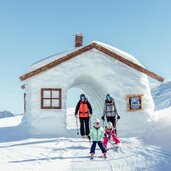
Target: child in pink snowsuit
[110,132]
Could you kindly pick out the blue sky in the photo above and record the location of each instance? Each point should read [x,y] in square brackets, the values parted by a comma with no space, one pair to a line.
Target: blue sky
[34,29]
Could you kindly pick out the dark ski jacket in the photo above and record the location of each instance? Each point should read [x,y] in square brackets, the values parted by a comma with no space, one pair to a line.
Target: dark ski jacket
[88,105]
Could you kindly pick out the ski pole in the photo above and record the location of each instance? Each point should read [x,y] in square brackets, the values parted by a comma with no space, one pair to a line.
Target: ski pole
[77,125]
[115,125]
[90,121]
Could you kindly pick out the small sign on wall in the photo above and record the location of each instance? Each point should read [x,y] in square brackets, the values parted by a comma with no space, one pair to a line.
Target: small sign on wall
[134,102]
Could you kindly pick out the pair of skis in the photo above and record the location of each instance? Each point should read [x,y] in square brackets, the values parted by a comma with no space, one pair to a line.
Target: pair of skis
[92,157]
[115,147]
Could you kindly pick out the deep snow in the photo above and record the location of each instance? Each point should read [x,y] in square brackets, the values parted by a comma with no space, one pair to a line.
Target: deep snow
[162,95]
[5,114]
[152,151]
[20,151]
[160,129]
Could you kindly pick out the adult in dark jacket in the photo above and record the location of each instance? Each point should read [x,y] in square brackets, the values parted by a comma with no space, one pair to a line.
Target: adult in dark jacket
[110,111]
[84,110]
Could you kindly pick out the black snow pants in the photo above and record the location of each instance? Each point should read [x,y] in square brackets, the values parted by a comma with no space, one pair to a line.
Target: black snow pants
[84,126]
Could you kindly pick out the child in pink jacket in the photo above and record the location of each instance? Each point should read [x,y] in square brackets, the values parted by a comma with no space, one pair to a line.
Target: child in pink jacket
[110,133]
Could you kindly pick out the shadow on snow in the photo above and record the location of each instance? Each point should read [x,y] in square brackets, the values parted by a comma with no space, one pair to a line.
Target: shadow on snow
[66,158]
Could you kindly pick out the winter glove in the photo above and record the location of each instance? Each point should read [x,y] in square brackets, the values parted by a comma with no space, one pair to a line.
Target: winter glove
[103,118]
[88,137]
[118,117]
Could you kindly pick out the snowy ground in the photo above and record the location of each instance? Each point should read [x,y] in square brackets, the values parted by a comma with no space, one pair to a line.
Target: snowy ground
[161,95]
[21,152]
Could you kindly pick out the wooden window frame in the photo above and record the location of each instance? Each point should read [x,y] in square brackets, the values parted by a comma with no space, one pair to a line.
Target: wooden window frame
[129,105]
[51,98]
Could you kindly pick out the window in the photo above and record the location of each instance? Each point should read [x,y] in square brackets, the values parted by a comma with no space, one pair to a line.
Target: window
[134,102]
[51,98]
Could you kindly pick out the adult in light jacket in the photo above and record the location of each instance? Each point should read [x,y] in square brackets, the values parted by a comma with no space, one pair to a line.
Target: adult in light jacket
[110,111]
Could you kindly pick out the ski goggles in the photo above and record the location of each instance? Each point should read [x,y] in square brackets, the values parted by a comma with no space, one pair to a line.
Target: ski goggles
[96,123]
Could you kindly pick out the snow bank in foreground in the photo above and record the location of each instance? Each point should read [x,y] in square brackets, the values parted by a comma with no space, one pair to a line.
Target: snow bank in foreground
[160,129]
[5,114]
[20,152]
[11,130]
[162,95]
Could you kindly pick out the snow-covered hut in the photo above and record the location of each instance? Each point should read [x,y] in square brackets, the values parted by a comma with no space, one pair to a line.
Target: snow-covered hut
[97,69]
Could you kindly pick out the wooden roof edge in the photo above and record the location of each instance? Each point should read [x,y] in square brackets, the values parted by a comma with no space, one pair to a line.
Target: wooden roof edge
[57,62]
[128,62]
[86,48]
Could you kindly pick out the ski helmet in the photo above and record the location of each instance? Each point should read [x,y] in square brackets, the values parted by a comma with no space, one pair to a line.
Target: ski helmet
[108,96]
[109,125]
[82,96]
[96,121]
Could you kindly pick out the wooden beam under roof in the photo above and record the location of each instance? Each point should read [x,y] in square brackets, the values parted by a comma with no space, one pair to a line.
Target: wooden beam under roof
[85,49]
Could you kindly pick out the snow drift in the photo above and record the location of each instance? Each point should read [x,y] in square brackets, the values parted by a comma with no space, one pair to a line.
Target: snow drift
[20,151]
[6,114]
[162,95]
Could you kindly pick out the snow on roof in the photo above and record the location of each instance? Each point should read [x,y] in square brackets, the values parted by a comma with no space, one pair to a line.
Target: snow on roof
[119,52]
[51,58]
[54,57]
[107,50]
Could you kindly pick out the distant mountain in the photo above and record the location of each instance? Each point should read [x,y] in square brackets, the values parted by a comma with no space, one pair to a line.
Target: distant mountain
[6,114]
[162,95]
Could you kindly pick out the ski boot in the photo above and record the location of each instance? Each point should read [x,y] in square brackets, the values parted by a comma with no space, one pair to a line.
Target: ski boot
[104,154]
[92,156]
